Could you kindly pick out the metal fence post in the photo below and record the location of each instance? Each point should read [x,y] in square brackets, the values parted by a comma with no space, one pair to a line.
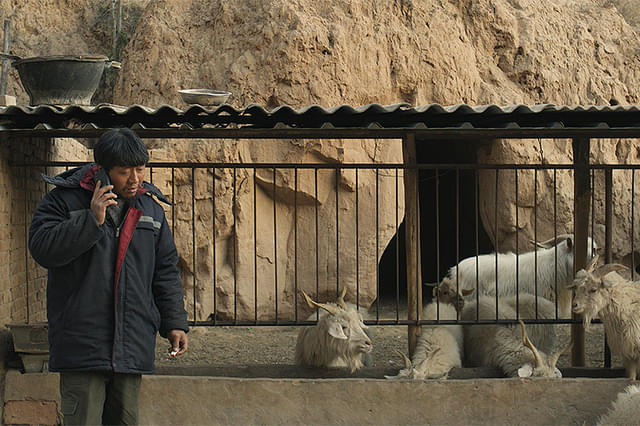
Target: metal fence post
[608,237]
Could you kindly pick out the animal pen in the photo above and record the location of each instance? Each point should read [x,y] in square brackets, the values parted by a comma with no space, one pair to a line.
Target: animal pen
[436,194]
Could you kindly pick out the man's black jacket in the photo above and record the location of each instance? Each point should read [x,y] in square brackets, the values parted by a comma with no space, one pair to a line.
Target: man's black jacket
[111,288]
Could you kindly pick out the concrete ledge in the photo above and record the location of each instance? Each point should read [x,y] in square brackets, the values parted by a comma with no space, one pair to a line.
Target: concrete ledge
[197,400]
[202,400]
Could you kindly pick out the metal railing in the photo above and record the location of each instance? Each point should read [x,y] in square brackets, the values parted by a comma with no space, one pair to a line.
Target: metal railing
[213,234]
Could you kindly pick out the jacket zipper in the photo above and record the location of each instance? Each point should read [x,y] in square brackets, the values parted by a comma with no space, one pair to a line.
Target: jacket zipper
[115,295]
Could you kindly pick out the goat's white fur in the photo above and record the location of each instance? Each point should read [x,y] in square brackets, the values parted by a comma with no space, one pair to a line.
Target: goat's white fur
[501,345]
[601,293]
[543,260]
[439,346]
[625,410]
[337,340]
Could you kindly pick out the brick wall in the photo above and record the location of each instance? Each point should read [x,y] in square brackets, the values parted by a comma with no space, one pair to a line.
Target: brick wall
[22,281]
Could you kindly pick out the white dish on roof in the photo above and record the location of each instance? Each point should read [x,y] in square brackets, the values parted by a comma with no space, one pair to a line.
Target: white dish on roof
[204,96]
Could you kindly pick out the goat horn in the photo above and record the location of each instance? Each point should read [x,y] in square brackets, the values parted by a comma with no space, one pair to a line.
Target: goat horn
[610,267]
[407,361]
[525,340]
[340,301]
[553,359]
[592,263]
[329,308]
[424,364]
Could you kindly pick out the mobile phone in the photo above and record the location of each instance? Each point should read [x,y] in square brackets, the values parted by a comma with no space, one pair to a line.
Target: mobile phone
[102,176]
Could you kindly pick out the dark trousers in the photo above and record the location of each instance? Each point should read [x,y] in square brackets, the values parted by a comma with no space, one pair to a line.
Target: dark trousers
[94,398]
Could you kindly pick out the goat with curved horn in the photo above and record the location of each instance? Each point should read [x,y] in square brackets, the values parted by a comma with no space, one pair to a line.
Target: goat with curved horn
[545,365]
[338,339]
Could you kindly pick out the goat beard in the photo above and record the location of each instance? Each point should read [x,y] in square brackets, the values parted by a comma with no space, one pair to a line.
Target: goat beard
[587,316]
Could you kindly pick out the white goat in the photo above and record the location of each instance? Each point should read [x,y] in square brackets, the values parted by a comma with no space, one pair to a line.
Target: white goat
[438,349]
[500,345]
[534,270]
[337,340]
[625,410]
[616,303]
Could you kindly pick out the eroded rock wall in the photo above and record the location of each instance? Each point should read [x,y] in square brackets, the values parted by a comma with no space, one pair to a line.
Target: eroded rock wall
[301,52]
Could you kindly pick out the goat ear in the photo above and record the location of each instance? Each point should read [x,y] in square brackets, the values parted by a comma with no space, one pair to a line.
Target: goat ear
[467,292]
[335,330]
[525,371]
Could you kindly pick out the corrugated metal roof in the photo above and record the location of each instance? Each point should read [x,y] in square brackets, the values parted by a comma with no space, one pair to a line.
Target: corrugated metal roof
[316,121]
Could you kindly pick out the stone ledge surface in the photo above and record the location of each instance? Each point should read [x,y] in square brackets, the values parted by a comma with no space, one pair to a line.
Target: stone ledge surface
[196,400]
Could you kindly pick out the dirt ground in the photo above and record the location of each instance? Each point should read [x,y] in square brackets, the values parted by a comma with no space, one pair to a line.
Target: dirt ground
[270,351]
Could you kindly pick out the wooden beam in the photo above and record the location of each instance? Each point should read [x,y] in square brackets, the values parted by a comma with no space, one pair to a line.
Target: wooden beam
[582,198]
[412,232]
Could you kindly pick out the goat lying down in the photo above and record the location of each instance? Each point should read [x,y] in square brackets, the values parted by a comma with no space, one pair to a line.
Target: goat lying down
[625,410]
[337,340]
[616,302]
[533,272]
[500,345]
[438,349]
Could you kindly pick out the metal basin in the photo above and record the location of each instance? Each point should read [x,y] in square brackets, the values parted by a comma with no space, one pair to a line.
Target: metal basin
[204,97]
[62,80]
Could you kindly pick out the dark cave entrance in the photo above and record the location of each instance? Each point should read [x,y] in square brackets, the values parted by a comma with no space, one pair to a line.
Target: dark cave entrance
[450,226]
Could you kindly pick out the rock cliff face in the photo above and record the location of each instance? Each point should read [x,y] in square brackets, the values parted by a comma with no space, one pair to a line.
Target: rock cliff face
[301,52]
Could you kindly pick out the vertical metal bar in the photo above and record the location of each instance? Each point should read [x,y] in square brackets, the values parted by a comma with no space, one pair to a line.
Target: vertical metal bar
[592,232]
[412,232]
[315,175]
[295,243]
[25,193]
[275,245]
[477,224]
[377,246]
[517,249]
[357,249]
[437,204]
[608,239]
[173,201]
[397,253]
[234,213]
[633,202]
[535,234]
[193,241]
[255,247]
[582,194]
[213,231]
[555,234]
[337,233]
[496,239]
[457,236]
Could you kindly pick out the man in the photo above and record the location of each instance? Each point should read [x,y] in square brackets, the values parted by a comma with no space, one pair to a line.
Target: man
[113,280]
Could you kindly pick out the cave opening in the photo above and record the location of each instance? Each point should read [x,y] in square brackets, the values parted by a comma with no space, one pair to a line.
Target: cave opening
[450,224]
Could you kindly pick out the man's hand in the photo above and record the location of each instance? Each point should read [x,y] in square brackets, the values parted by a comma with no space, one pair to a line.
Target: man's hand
[102,199]
[179,341]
